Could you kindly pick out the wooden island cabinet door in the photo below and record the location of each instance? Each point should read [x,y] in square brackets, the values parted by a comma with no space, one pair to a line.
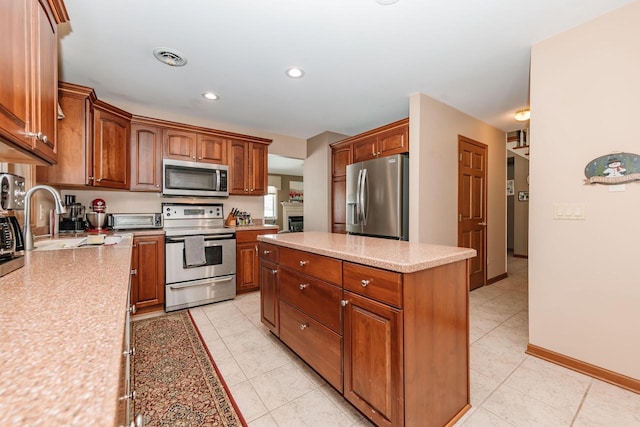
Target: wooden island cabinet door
[269,314]
[373,354]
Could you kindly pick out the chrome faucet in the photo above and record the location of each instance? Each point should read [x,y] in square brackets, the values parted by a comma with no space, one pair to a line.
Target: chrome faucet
[60,209]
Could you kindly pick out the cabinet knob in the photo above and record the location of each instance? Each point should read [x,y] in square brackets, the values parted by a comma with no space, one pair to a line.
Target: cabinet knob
[274,271]
[303,263]
[157,185]
[131,396]
[91,178]
[199,158]
[303,326]
[266,252]
[132,309]
[99,179]
[302,286]
[134,272]
[364,283]
[344,302]
[194,157]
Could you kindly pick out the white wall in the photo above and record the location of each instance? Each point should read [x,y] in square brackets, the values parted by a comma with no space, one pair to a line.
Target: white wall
[433,177]
[584,286]
[317,182]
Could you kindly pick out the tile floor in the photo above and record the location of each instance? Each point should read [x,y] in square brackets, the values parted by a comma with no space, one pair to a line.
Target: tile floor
[273,387]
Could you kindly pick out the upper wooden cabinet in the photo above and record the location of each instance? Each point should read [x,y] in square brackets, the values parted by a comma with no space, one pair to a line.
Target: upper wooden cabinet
[146,157]
[248,168]
[111,133]
[384,141]
[75,147]
[94,143]
[29,76]
[195,147]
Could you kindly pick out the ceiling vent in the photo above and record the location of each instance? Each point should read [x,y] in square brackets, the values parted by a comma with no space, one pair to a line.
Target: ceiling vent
[169,56]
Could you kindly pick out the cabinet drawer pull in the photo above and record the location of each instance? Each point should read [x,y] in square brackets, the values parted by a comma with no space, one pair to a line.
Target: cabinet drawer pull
[303,326]
[364,283]
[266,252]
[303,285]
[303,263]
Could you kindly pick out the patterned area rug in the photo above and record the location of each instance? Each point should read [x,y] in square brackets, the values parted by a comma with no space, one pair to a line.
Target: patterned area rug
[175,378]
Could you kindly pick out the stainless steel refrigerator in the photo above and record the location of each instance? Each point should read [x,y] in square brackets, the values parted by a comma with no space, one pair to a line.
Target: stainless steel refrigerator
[378,197]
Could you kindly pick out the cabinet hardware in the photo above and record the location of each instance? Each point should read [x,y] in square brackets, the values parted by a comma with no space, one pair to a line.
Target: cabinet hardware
[134,272]
[303,285]
[91,178]
[266,252]
[303,326]
[131,352]
[364,283]
[344,302]
[482,223]
[38,135]
[132,309]
[99,179]
[303,263]
[131,396]
[274,271]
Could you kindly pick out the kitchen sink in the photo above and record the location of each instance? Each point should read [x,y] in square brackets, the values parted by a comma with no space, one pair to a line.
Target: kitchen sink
[72,243]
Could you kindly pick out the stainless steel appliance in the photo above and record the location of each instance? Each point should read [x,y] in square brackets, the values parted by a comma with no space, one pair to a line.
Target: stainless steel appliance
[72,221]
[182,178]
[378,197]
[131,221]
[11,244]
[200,256]
[11,192]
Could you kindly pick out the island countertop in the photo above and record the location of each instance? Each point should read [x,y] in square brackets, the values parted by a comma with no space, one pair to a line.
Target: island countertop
[394,255]
[63,324]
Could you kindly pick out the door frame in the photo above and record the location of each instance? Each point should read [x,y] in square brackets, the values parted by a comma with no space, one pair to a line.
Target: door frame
[462,141]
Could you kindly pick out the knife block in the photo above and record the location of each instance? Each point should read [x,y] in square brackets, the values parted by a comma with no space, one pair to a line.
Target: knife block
[230,221]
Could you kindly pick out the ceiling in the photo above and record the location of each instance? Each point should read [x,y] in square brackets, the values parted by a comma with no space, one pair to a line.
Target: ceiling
[362,59]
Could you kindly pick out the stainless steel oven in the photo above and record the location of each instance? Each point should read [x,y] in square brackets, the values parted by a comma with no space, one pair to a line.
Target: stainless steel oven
[214,277]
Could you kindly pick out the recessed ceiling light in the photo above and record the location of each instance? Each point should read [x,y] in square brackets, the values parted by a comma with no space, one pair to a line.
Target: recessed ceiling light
[295,72]
[170,56]
[211,96]
[386,2]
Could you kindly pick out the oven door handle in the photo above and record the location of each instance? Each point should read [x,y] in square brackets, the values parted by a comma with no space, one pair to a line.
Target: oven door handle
[206,239]
[201,282]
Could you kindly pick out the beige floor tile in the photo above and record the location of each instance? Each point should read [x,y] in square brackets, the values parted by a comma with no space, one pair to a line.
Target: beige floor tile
[221,311]
[608,405]
[263,421]
[248,401]
[314,409]
[233,326]
[218,349]
[349,410]
[521,410]
[554,385]
[281,385]
[230,371]
[481,386]
[484,418]
[261,360]
[245,340]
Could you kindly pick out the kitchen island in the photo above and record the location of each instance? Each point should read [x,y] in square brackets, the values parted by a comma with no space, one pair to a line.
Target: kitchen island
[385,322]
[63,322]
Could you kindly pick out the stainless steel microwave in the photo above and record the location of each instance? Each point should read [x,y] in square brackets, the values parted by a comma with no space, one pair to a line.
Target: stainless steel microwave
[194,179]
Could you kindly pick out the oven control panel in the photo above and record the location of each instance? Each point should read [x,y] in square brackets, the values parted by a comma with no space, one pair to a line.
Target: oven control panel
[186,211]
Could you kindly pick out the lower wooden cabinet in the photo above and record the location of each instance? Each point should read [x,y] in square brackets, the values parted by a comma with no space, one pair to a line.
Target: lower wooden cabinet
[269,313]
[147,275]
[247,260]
[373,374]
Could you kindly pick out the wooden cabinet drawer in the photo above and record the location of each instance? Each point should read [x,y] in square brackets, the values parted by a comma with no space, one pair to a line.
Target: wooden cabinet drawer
[381,285]
[246,236]
[320,347]
[268,252]
[329,269]
[318,299]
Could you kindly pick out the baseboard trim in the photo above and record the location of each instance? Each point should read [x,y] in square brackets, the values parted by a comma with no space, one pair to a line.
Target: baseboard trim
[497,278]
[585,368]
[521,256]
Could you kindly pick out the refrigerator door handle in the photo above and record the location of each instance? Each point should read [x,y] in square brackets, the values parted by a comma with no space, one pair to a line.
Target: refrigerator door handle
[357,214]
[363,197]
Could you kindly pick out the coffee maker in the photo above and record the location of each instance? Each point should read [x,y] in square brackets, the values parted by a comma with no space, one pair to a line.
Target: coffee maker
[73,220]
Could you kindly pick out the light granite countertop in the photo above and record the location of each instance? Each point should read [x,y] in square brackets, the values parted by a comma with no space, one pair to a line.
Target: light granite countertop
[255,227]
[63,323]
[394,255]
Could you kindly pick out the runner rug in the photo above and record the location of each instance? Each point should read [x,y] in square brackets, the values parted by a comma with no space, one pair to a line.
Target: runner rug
[174,377]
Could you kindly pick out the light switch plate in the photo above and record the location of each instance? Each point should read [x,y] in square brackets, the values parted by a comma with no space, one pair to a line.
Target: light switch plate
[569,211]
